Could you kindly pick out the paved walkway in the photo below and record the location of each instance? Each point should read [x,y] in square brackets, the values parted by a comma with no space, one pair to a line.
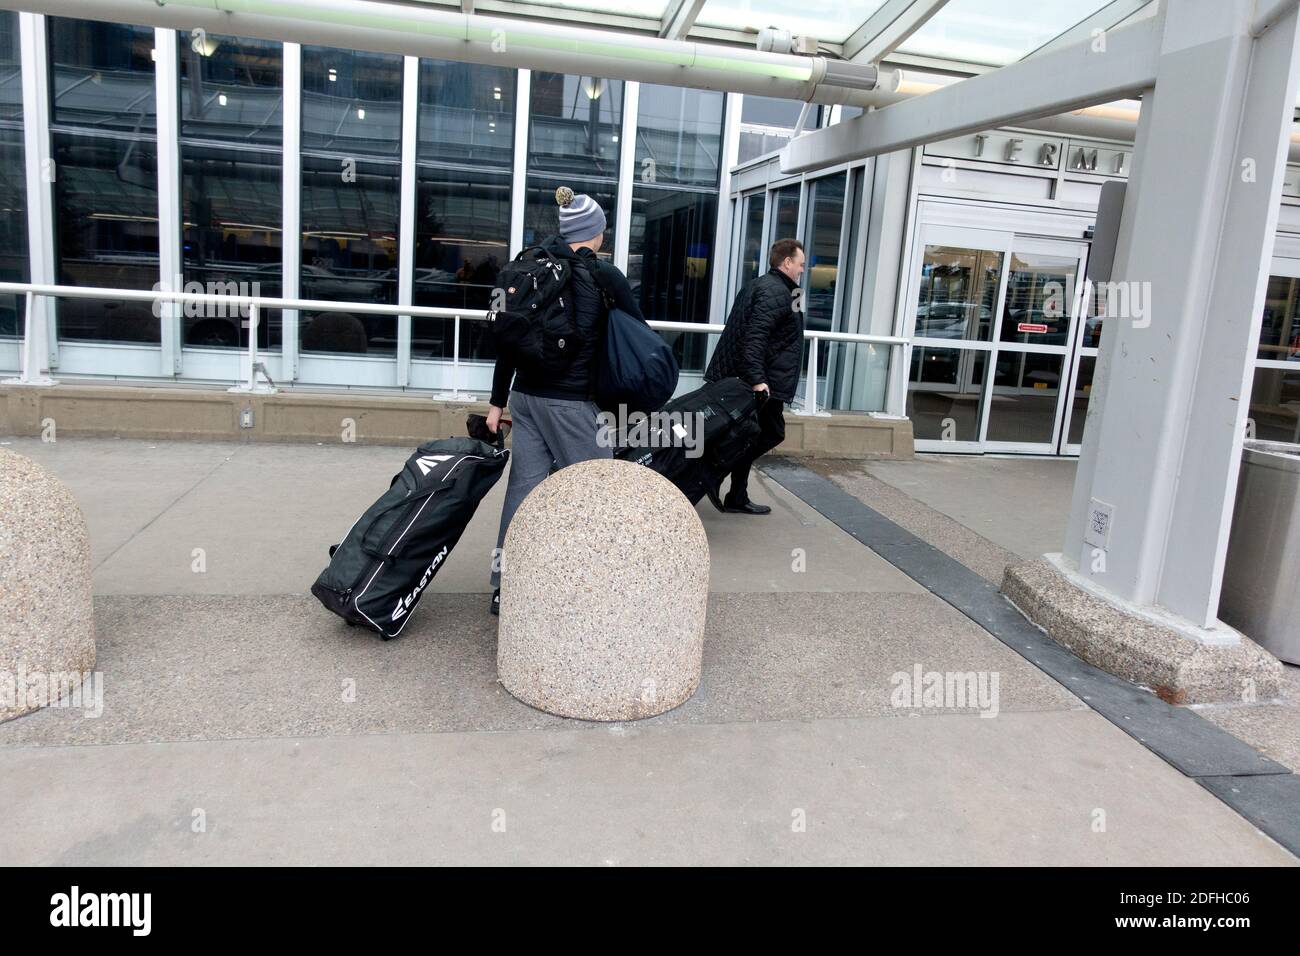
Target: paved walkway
[244,723]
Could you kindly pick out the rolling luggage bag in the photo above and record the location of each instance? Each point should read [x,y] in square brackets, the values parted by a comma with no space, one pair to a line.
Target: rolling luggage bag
[726,427]
[378,572]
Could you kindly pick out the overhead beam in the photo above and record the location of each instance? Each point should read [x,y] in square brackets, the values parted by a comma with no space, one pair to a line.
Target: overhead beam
[888,28]
[679,18]
[1077,76]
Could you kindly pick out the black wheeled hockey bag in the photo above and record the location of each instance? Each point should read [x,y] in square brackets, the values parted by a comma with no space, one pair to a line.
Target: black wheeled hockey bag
[726,428]
[388,557]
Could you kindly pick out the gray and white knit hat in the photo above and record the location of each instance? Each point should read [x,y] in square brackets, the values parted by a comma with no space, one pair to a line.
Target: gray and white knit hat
[581,217]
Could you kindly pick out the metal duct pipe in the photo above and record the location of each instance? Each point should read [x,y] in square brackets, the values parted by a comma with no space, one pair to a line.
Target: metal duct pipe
[446,34]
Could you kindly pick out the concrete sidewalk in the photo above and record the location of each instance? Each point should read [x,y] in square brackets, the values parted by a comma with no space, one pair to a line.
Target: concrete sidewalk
[232,699]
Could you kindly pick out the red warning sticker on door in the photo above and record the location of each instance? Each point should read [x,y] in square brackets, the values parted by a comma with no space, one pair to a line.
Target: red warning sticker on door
[1030,327]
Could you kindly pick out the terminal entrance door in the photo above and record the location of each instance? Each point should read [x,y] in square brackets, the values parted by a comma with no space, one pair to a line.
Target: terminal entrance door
[994,351]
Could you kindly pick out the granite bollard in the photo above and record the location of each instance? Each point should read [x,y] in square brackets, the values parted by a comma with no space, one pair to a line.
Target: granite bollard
[47,632]
[604,589]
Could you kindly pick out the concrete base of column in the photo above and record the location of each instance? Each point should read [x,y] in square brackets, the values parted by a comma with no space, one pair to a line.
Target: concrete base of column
[1180,663]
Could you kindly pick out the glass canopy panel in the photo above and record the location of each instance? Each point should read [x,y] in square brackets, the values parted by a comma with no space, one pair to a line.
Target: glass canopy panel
[833,21]
[996,32]
[628,8]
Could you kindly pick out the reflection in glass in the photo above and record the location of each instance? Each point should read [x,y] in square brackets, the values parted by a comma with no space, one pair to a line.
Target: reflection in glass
[1279,334]
[573,140]
[753,258]
[670,266]
[1082,393]
[959,291]
[823,250]
[1023,406]
[13,184]
[1275,404]
[785,224]
[351,139]
[943,393]
[1039,297]
[463,157]
[106,222]
[231,204]
[679,136]
[102,75]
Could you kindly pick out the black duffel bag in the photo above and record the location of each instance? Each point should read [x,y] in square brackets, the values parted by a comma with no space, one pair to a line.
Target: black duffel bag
[728,428]
[385,562]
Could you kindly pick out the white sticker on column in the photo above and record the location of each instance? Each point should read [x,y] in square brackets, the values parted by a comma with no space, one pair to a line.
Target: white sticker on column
[1097,531]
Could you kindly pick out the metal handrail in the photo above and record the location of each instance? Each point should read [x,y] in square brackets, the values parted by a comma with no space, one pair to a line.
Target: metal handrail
[257,303]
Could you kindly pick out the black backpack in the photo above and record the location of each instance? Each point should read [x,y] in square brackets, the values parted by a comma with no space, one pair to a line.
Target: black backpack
[532,318]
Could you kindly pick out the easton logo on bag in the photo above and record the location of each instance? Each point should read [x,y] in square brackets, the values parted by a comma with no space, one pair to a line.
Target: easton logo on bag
[533,321]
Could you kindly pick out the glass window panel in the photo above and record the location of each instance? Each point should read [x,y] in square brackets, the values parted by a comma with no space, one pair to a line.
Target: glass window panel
[575,126]
[234,92]
[106,221]
[1082,393]
[830,20]
[1025,387]
[467,114]
[231,202]
[349,252]
[753,258]
[670,263]
[1094,310]
[944,393]
[351,102]
[103,75]
[823,250]
[13,182]
[231,220]
[1279,334]
[786,225]
[996,32]
[463,175]
[1275,404]
[573,139]
[1038,300]
[959,291]
[679,135]
[463,226]
[351,173]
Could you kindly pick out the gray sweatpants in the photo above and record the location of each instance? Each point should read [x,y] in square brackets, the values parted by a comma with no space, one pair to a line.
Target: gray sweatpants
[548,433]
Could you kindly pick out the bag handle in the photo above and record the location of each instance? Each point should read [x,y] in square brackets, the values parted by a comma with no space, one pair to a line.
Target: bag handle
[418,496]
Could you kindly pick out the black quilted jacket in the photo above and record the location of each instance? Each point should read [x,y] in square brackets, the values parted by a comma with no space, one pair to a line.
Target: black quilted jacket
[764,337]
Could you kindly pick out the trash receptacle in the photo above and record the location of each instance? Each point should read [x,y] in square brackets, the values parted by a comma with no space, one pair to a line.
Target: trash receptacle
[1261,590]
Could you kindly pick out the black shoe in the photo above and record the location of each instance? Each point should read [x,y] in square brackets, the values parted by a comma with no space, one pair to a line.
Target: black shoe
[496,601]
[748,508]
[714,499]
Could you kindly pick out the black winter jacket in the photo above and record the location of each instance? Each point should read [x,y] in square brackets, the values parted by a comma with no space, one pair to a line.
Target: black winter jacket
[578,378]
[763,341]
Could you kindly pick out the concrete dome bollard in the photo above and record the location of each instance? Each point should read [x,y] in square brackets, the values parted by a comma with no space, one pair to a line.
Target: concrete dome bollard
[47,633]
[604,589]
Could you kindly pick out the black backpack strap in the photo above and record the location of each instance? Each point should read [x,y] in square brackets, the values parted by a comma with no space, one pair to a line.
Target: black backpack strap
[598,276]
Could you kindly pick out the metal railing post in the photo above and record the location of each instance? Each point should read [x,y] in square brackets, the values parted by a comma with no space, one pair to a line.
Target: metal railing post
[34,348]
[810,392]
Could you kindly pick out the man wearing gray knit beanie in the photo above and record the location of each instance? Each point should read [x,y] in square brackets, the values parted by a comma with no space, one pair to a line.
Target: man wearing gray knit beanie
[554,416]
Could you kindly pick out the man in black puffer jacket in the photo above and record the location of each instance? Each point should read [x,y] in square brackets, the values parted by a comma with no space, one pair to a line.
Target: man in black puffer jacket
[763,346]
[554,416]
